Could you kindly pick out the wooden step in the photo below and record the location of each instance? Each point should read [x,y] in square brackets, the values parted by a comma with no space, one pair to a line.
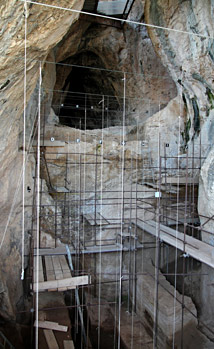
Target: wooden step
[100,220]
[194,247]
[49,325]
[58,271]
[40,269]
[72,283]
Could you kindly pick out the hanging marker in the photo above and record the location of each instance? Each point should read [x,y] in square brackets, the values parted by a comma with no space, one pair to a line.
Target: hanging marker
[22,274]
[185,255]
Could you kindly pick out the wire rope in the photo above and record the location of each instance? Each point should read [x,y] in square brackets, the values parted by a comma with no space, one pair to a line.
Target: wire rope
[119,19]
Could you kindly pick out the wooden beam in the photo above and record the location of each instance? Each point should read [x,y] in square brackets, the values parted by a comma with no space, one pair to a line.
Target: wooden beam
[100,220]
[50,339]
[181,221]
[68,344]
[65,268]
[194,247]
[49,270]
[69,282]
[40,269]
[58,271]
[49,325]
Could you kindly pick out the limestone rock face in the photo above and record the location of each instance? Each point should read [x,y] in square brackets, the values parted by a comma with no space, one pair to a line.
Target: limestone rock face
[164,127]
[189,58]
[206,193]
[45,27]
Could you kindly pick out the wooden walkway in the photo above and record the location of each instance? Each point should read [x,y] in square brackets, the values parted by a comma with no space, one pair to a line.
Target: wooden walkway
[100,220]
[61,250]
[193,247]
[54,274]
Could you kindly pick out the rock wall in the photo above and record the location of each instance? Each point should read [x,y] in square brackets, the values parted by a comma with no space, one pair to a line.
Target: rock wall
[160,67]
[191,66]
[45,27]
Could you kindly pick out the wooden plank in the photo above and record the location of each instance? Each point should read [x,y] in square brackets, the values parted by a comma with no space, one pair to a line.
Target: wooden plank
[49,325]
[194,247]
[51,251]
[40,269]
[58,271]
[100,220]
[65,268]
[171,221]
[57,268]
[50,270]
[50,339]
[88,250]
[89,218]
[68,344]
[69,282]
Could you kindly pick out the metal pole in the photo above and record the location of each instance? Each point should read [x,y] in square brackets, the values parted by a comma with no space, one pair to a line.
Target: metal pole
[184,250]
[77,297]
[157,262]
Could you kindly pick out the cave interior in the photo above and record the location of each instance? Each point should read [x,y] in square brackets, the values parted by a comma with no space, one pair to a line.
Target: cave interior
[119,250]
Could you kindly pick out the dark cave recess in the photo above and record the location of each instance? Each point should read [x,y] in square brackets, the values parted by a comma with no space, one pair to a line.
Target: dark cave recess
[88,97]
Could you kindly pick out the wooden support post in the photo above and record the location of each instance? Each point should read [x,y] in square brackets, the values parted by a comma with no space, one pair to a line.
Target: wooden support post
[50,339]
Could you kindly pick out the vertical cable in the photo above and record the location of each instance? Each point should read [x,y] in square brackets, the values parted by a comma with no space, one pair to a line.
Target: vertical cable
[122,207]
[24,143]
[38,209]
[101,215]
[157,253]
[177,218]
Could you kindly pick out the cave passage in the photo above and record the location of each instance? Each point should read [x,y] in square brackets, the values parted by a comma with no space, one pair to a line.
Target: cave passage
[88,99]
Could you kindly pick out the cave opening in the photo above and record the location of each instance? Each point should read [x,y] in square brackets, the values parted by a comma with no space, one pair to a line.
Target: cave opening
[88,97]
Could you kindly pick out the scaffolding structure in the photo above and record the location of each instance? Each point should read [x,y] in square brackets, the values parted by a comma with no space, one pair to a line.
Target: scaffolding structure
[114,228]
[154,209]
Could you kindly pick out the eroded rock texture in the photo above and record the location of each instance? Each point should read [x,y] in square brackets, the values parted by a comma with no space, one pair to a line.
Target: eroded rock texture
[45,27]
[189,58]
